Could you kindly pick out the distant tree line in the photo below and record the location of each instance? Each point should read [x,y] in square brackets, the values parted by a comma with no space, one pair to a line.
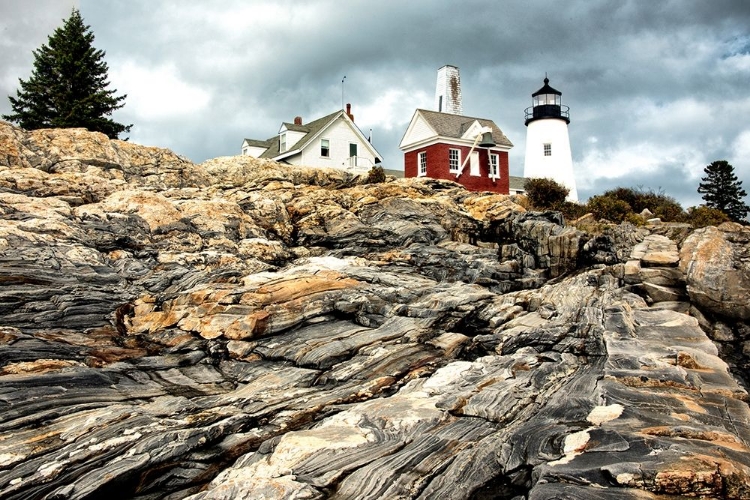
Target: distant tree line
[722,193]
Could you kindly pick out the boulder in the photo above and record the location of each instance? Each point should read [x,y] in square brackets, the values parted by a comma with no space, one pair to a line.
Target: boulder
[716,263]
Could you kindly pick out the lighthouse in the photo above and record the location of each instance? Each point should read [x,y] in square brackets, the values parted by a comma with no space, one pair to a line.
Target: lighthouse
[547,142]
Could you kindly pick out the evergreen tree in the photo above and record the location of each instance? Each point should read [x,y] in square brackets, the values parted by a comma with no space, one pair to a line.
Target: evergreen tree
[68,86]
[722,190]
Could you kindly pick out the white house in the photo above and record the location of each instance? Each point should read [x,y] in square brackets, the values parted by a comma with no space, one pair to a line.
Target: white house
[331,141]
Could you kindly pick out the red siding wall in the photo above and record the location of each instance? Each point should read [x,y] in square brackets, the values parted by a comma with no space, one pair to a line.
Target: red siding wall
[438,167]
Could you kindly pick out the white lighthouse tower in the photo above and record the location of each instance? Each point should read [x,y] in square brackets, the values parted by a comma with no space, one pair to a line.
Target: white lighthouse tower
[547,142]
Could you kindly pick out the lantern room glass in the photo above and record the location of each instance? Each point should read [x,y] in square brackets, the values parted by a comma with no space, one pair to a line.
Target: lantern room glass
[545,99]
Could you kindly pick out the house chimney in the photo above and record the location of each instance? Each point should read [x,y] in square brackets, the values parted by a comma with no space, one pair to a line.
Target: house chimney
[298,120]
[349,111]
[448,91]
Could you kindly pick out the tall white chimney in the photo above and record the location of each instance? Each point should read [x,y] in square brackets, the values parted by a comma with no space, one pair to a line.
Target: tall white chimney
[448,91]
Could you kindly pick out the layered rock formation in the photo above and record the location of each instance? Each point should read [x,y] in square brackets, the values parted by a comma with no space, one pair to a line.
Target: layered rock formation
[244,329]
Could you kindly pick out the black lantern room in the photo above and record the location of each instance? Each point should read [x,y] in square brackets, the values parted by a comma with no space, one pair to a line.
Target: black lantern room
[546,103]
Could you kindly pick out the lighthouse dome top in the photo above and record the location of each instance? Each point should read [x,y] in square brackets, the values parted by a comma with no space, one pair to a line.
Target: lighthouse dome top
[546,89]
[547,103]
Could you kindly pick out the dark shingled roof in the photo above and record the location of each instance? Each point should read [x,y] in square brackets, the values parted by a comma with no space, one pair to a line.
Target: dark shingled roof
[454,126]
[257,143]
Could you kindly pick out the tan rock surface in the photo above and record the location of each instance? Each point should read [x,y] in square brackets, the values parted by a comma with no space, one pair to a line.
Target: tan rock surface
[716,262]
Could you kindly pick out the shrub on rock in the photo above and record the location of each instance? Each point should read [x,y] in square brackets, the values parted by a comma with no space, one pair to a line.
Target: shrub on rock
[609,207]
[545,194]
[703,216]
[376,175]
[659,204]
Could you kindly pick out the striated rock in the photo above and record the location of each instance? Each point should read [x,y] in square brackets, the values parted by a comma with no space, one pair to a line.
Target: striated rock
[246,329]
[537,241]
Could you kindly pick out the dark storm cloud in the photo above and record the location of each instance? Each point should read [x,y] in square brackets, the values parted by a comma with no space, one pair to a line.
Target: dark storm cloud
[657,89]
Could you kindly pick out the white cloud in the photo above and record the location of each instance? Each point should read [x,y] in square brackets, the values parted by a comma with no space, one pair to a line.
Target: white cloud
[741,157]
[741,145]
[392,109]
[738,63]
[157,93]
[627,161]
[736,58]
[672,116]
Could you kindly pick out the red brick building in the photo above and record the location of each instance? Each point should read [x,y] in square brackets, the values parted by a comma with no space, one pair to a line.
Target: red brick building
[439,145]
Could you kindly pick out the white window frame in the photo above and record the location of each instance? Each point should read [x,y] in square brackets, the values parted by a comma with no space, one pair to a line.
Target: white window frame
[454,160]
[327,148]
[494,165]
[282,142]
[547,149]
[422,164]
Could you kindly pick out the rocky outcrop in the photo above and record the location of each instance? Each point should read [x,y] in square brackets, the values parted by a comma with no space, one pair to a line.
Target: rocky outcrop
[244,329]
[716,262]
[652,266]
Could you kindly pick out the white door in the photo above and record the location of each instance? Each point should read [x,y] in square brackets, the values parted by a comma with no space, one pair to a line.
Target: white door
[474,163]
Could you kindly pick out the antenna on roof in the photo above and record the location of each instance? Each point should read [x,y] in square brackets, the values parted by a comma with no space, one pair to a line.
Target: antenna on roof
[342,92]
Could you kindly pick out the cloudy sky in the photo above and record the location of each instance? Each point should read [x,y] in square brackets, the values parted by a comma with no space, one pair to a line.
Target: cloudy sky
[656,89]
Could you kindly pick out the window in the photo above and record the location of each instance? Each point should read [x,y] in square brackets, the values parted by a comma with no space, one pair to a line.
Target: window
[547,149]
[352,154]
[423,163]
[547,99]
[494,171]
[282,143]
[454,160]
[325,150]
[474,164]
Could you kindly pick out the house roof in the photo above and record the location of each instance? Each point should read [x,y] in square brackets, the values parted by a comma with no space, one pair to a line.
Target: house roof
[454,126]
[257,143]
[516,183]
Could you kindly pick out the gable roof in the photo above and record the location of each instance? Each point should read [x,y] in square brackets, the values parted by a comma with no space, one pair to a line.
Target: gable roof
[455,126]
